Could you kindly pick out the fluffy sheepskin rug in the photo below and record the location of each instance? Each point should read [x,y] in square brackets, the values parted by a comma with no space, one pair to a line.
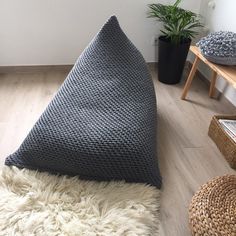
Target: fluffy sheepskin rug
[36,203]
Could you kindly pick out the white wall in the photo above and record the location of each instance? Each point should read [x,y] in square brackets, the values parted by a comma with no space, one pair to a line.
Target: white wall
[51,32]
[223,17]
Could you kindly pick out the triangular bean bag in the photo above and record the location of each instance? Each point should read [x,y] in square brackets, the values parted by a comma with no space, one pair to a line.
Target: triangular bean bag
[101,124]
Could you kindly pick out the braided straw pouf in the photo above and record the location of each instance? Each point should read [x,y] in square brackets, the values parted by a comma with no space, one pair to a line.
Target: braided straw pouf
[212,211]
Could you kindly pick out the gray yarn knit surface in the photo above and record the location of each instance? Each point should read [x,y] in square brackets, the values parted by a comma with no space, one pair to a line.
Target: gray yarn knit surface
[219,47]
[101,125]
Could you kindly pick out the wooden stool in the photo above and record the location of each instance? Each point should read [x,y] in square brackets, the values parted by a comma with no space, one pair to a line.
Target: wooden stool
[227,72]
[213,208]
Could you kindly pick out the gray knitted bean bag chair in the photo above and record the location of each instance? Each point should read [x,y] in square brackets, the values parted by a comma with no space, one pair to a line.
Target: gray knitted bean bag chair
[101,125]
[219,47]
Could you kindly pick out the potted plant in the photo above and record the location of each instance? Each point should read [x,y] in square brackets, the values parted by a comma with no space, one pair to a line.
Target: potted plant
[179,27]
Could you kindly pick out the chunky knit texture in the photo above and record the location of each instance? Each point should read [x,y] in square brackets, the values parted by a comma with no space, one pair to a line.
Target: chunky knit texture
[219,47]
[101,124]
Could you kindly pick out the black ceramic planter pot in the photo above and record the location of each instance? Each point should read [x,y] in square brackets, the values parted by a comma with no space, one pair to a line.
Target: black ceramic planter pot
[171,60]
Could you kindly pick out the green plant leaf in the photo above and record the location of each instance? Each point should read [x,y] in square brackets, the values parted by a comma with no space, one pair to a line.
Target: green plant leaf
[178,23]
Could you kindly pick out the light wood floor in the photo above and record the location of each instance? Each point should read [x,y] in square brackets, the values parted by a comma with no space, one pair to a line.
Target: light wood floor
[188,158]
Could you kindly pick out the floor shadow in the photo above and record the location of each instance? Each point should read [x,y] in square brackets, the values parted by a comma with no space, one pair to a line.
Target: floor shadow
[219,94]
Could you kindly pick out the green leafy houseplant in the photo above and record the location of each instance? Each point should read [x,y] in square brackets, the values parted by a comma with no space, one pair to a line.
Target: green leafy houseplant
[179,27]
[178,24]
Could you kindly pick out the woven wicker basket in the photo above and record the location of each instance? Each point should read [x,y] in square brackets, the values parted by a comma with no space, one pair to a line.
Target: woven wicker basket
[224,142]
[212,210]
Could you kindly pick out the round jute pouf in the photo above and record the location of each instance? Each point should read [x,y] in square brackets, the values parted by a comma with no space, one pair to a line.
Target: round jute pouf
[212,211]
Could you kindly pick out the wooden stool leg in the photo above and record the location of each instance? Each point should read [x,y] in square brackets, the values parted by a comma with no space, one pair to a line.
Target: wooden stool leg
[213,83]
[190,78]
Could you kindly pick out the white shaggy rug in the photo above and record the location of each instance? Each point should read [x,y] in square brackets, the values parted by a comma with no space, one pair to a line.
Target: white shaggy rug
[34,203]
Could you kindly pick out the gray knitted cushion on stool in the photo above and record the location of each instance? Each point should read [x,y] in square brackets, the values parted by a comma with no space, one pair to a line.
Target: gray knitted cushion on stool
[101,124]
[219,47]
